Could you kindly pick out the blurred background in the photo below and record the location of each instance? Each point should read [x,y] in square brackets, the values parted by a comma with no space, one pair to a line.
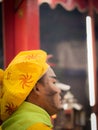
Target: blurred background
[63,34]
[33,24]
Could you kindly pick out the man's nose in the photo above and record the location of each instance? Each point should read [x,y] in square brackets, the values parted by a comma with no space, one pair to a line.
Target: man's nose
[59,90]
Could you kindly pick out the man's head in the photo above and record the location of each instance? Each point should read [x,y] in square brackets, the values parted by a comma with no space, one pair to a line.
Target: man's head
[21,76]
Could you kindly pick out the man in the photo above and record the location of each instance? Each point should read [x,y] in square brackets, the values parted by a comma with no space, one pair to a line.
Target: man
[29,95]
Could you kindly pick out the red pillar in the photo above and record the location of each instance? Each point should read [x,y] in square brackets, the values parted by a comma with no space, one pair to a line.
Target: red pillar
[27,26]
[8,30]
[20,27]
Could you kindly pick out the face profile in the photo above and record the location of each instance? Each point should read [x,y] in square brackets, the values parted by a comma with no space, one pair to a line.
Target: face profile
[46,94]
[51,92]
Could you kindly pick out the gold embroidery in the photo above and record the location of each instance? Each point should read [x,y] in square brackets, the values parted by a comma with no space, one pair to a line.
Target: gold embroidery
[10,108]
[26,80]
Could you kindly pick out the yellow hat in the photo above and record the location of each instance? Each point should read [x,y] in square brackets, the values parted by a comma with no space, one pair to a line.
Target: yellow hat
[19,79]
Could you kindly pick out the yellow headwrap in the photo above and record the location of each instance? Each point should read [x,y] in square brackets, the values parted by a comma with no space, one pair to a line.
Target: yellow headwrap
[19,79]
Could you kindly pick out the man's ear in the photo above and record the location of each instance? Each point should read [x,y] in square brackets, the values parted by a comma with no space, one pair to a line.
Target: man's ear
[37,88]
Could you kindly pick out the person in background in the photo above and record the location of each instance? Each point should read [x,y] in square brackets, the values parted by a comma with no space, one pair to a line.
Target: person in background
[28,93]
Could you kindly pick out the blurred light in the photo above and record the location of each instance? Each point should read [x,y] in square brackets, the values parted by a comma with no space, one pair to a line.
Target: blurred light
[63,86]
[93,122]
[90,62]
[65,106]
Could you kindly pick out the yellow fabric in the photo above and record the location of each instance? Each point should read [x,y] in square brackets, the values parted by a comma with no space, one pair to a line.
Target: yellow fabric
[19,79]
[39,126]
